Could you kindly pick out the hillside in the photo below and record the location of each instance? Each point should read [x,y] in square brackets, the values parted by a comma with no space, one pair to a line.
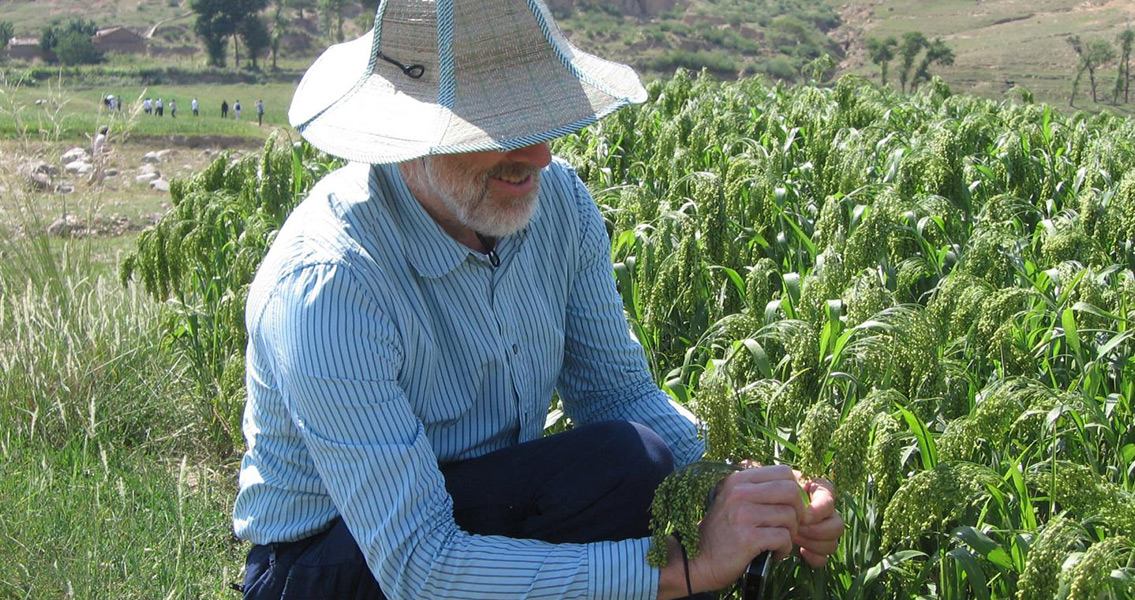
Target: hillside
[998,44]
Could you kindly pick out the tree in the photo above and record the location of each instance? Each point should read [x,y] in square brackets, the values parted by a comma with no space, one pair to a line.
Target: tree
[332,13]
[936,53]
[1126,39]
[912,43]
[882,52]
[256,38]
[217,20]
[279,28]
[1099,53]
[1077,47]
[1092,55]
[213,26]
[71,44]
[302,5]
[76,48]
[7,30]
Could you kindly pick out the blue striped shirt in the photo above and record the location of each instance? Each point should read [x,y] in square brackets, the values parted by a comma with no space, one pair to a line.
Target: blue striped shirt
[380,347]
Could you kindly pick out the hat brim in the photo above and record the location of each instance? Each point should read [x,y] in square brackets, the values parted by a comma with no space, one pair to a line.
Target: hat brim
[350,107]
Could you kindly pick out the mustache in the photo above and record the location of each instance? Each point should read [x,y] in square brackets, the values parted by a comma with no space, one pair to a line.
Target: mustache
[513,172]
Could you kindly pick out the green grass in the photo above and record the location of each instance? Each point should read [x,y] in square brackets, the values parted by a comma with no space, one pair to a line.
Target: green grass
[89,520]
[55,111]
[114,485]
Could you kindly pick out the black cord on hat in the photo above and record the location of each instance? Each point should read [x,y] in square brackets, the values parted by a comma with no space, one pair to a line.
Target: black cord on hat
[412,71]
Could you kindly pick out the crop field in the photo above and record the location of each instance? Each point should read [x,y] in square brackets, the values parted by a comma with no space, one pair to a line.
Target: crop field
[927,299]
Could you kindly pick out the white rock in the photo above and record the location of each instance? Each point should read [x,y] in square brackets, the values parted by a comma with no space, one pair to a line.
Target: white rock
[74,154]
[64,188]
[39,167]
[65,226]
[147,169]
[151,158]
[161,154]
[111,172]
[39,181]
[160,185]
[78,167]
[147,178]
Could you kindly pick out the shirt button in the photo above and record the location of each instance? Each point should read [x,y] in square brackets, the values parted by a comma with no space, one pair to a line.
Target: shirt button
[515,349]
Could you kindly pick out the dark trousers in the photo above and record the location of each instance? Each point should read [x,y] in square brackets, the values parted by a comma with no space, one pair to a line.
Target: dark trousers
[593,483]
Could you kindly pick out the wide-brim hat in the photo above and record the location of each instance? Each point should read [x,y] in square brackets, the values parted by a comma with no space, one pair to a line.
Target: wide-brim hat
[448,76]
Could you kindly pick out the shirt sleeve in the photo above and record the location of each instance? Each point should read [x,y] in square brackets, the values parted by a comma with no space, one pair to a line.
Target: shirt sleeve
[605,376]
[337,357]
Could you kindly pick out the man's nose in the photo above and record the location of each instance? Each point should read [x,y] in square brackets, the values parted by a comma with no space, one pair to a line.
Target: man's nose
[536,156]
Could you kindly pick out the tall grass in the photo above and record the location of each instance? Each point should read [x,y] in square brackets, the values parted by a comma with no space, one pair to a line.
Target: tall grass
[107,490]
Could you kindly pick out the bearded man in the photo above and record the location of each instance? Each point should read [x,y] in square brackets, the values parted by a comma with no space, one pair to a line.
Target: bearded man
[415,316]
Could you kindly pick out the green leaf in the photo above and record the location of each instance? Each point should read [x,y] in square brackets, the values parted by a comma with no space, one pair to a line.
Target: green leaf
[928,450]
[984,545]
[760,357]
[868,577]
[1071,333]
[974,574]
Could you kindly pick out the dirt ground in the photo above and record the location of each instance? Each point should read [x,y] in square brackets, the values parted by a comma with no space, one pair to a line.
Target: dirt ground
[38,189]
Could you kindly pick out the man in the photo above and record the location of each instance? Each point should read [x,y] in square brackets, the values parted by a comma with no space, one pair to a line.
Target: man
[414,317]
[236,110]
[173,108]
[224,109]
[160,107]
[259,113]
[194,106]
[147,106]
[100,152]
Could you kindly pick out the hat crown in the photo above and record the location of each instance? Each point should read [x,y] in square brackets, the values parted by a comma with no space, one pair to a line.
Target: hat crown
[446,76]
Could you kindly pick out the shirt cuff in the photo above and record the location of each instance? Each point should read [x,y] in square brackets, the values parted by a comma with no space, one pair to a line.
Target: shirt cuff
[619,571]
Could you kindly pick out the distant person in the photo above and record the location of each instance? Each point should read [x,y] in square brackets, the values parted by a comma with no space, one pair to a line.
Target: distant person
[173,109]
[260,113]
[236,109]
[160,107]
[193,105]
[147,106]
[98,146]
[100,149]
[224,109]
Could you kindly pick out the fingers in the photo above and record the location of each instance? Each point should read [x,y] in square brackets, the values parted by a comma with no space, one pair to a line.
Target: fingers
[775,539]
[814,560]
[768,516]
[822,500]
[819,541]
[830,529]
[779,492]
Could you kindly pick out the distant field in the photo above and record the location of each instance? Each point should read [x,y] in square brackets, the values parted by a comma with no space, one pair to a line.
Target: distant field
[76,112]
[32,15]
[999,43]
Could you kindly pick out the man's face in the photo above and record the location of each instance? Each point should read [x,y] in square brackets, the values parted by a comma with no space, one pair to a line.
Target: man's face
[492,193]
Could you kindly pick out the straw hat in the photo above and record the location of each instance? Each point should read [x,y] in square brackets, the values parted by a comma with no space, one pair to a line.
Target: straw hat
[449,76]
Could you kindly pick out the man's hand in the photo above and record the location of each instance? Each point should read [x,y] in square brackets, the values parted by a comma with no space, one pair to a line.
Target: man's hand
[818,534]
[754,510]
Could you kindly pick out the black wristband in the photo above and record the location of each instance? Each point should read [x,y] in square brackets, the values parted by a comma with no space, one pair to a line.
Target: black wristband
[685,564]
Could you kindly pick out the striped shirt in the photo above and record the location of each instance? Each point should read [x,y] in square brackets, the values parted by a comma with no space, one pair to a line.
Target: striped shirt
[380,347]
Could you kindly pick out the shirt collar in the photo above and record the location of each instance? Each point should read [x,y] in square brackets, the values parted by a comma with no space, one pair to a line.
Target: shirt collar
[429,249]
